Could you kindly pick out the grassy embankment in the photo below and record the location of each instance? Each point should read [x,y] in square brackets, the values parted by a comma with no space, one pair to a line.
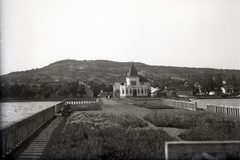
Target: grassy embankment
[147,103]
[101,136]
[201,125]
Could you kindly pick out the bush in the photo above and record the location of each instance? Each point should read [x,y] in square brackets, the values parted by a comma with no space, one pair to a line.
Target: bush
[153,105]
[86,107]
[147,103]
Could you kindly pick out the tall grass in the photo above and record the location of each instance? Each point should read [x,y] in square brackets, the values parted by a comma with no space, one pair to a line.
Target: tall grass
[201,125]
[108,137]
[150,104]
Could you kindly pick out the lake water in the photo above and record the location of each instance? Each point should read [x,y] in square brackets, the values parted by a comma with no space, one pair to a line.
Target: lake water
[14,111]
[201,103]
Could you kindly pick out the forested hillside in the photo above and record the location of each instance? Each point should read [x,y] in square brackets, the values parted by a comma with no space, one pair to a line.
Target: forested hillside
[103,71]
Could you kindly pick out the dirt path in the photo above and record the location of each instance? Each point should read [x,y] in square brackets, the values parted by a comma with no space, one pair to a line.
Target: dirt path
[117,108]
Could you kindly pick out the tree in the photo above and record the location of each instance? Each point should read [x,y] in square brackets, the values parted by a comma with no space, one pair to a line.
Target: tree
[15,90]
[218,83]
[27,92]
[4,90]
[234,83]
[207,84]
[95,87]
[45,90]
[73,89]
[81,90]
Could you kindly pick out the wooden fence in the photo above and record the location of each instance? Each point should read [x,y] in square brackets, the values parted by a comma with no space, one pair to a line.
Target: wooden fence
[14,135]
[202,150]
[225,110]
[80,101]
[181,104]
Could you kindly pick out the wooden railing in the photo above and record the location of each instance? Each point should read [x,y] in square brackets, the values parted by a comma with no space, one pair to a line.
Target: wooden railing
[180,104]
[15,134]
[201,149]
[225,110]
[80,101]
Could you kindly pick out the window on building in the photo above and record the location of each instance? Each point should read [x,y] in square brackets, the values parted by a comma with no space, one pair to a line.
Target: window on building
[123,91]
[126,91]
[142,91]
[133,83]
[130,91]
[186,93]
[145,91]
[138,91]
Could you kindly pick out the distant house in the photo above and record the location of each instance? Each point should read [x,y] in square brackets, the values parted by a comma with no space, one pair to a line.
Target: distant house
[131,85]
[154,91]
[179,91]
[229,89]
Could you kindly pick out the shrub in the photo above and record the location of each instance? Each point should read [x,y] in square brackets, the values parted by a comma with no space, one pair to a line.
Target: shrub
[86,107]
[153,105]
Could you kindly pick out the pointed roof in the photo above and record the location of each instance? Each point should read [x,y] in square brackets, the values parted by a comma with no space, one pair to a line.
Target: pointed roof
[132,72]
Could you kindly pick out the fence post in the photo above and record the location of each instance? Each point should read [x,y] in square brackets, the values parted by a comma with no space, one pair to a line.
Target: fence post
[195,105]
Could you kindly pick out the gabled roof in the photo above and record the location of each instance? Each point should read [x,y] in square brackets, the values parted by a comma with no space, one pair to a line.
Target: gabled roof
[142,79]
[132,72]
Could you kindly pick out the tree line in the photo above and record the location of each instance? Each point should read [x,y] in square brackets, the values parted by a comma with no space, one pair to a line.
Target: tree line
[46,90]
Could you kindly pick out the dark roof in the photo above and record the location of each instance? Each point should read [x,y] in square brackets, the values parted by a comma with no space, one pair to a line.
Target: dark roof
[132,72]
[142,79]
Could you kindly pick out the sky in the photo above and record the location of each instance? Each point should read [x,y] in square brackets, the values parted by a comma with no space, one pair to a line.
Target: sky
[185,33]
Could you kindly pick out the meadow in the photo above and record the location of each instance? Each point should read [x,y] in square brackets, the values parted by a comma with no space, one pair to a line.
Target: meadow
[102,136]
[147,103]
[98,134]
[201,125]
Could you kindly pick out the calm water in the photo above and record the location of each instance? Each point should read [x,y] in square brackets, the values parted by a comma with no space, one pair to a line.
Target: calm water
[201,103]
[14,111]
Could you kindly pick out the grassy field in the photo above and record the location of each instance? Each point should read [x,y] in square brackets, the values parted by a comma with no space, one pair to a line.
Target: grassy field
[201,125]
[146,103]
[102,136]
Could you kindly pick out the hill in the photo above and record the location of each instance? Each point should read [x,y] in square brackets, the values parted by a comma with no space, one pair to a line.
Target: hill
[104,71]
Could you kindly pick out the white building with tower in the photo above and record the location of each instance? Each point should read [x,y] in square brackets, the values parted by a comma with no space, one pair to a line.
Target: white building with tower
[131,85]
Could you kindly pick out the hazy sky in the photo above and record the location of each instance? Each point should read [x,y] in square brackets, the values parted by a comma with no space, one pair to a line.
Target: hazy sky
[190,33]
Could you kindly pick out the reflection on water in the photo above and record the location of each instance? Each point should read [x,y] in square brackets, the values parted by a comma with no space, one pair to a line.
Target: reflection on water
[15,111]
